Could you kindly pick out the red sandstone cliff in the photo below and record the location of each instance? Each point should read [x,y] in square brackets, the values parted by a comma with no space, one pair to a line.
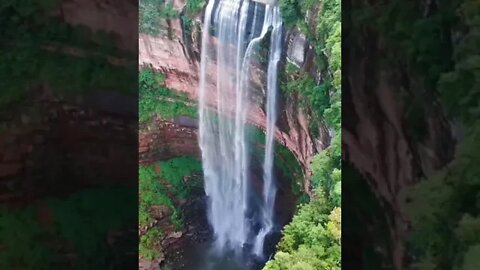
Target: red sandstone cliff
[176,56]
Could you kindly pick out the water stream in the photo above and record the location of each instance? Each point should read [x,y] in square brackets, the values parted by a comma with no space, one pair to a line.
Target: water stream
[233,31]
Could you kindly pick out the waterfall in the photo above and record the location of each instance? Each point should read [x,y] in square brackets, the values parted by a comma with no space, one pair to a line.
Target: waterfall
[223,113]
[269,189]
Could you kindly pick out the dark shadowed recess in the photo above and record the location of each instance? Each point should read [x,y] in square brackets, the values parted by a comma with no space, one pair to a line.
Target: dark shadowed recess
[68,135]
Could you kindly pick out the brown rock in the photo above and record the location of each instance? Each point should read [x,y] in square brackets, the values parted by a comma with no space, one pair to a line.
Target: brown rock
[160,211]
[172,238]
[174,235]
[10,169]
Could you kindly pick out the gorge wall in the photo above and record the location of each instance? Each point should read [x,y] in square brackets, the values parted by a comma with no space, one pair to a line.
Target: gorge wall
[396,132]
[176,55]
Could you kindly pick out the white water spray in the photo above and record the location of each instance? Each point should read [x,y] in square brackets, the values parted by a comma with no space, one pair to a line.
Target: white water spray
[222,123]
[269,189]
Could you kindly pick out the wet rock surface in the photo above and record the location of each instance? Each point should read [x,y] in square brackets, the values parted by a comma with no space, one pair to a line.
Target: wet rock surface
[175,242]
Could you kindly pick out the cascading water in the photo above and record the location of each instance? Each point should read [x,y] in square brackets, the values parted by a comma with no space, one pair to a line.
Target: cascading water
[269,189]
[223,115]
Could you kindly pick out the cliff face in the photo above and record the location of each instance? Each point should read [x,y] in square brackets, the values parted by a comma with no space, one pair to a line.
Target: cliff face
[109,16]
[46,138]
[176,55]
[161,140]
[54,136]
[377,138]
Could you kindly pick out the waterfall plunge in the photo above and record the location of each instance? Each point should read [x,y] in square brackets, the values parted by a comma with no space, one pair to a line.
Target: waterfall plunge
[222,128]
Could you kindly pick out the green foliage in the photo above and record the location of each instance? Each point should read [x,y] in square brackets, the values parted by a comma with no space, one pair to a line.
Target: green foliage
[316,97]
[28,29]
[460,88]
[172,173]
[322,98]
[29,244]
[311,240]
[151,192]
[470,261]
[194,7]
[31,23]
[164,183]
[291,12]
[36,67]
[188,17]
[154,98]
[444,209]
[326,168]
[423,48]
[151,14]
[175,170]
[149,246]
[19,232]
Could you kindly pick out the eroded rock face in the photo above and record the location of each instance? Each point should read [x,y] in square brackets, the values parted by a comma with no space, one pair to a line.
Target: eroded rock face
[47,140]
[297,49]
[169,54]
[162,140]
[108,16]
[377,140]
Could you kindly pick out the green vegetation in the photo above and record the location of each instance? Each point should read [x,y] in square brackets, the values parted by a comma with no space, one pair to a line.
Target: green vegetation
[194,7]
[440,48]
[425,49]
[37,67]
[444,212]
[444,208]
[149,247]
[151,15]
[326,167]
[314,98]
[164,183]
[28,30]
[154,98]
[312,239]
[32,240]
[192,10]
[323,99]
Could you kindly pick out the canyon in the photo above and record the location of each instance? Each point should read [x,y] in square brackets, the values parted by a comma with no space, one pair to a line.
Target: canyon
[178,59]
[175,53]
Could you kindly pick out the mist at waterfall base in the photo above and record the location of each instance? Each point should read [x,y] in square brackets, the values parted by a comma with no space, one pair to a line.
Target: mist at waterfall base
[204,256]
[241,217]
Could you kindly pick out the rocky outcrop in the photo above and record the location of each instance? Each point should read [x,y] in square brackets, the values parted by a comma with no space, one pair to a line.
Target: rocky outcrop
[297,47]
[162,140]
